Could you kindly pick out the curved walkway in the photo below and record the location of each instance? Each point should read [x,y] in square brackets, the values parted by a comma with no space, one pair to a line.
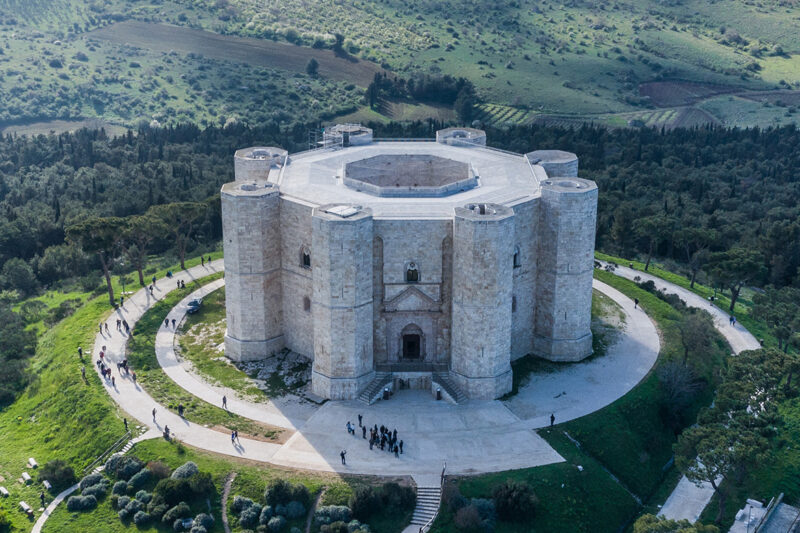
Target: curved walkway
[489,435]
[688,500]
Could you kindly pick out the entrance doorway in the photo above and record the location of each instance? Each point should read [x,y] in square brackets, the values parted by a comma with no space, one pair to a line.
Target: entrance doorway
[411,346]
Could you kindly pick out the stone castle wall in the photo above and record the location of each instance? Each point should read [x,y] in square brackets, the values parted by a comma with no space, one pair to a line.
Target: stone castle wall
[483,246]
[562,325]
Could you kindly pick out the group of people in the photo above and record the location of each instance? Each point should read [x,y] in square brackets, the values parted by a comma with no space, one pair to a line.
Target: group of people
[381,437]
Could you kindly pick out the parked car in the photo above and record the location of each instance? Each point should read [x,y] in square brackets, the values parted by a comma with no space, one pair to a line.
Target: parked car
[194,306]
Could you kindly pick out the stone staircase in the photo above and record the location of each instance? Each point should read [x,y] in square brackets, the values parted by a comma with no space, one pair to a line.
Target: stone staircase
[428,500]
[372,392]
[443,380]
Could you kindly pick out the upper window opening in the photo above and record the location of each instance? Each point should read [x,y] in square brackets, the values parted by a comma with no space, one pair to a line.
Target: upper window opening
[517,261]
[305,258]
[412,274]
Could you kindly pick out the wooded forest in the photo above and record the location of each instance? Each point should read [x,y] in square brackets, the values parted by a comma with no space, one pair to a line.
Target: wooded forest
[683,195]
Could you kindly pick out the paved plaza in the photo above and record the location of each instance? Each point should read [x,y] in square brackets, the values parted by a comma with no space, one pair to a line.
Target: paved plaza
[477,436]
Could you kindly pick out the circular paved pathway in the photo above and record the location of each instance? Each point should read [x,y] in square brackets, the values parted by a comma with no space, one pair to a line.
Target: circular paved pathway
[478,436]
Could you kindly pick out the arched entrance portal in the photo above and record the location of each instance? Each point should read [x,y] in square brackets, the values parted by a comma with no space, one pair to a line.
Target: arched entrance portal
[412,343]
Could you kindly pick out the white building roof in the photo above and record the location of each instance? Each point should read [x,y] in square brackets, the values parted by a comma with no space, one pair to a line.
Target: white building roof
[316,178]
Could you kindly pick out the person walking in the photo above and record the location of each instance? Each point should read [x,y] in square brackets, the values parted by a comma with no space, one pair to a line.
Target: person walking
[173,323]
[80,352]
[395,451]
[113,380]
[41,497]
[100,326]
[364,432]
[401,446]
[202,261]
[154,414]
[233,437]
[108,332]
[342,454]
[133,377]
[180,410]
[552,419]
[154,281]
[83,373]
[122,301]
[359,420]
[119,324]
[236,434]
[224,402]
[635,303]
[125,421]
[166,322]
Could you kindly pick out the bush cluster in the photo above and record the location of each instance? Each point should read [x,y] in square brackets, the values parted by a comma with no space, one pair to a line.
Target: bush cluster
[139,479]
[515,501]
[179,511]
[185,471]
[123,466]
[328,514]
[367,500]
[81,503]
[58,473]
[280,491]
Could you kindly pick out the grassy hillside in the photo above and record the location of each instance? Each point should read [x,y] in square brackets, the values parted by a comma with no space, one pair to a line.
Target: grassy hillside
[545,60]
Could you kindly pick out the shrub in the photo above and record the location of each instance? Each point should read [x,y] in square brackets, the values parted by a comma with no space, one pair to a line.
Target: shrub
[468,518]
[185,471]
[123,502]
[335,527]
[364,501]
[515,501]
[58,473]
[141,518]
[134,506]
[301,494]
[295,509]
[485,508]
[266,514]
[203,520]
[81,503]
[198,529]
[123,514]
[89,481]
[249,516]
[278,491]
[179,511]
[276,523]
[240,503]
[452,498]
[177,525]
[144,496]
[140,479]
[395,496]
[98,491]
[173,491]
[157,511]
[123,466]
[329,514]
[120,487]
[158,469]
[202,484]
[280,510]
[357,527]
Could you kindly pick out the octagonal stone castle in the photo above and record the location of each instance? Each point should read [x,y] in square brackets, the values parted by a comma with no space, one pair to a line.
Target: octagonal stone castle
[408,263]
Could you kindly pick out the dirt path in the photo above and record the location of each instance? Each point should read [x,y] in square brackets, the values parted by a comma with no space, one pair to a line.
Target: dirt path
[166,38]
[225,493]
[310,519]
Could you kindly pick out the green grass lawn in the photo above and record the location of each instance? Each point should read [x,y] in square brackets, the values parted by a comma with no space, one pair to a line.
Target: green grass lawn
[200,335]
[628,438]
[142,356]
[569,499]
[743,304]
[59,416]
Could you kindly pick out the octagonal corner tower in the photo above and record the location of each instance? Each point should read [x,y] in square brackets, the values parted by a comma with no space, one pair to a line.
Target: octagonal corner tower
[483,245]
[562,329]
[251,245]
[426,264]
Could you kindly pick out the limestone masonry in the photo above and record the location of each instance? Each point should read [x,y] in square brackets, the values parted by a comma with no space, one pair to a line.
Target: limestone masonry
[408,263]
